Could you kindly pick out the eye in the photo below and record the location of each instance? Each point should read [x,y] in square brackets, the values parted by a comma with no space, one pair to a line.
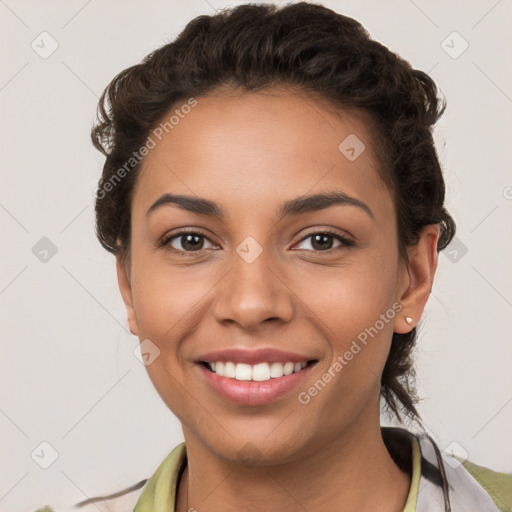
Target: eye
[186,242]
[322,241]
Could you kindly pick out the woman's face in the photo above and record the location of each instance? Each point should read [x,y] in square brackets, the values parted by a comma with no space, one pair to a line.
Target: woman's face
[263,279]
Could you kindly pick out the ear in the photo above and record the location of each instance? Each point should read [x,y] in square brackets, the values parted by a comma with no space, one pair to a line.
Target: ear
[417,279]
[125,288]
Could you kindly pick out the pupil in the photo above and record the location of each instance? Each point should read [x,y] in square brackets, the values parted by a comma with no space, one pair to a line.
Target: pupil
[189,240]
[318,240]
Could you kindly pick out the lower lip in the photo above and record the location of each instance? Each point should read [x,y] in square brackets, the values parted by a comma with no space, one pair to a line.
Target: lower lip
[249,392]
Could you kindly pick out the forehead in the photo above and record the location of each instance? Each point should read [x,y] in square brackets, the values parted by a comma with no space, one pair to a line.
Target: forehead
[253,147]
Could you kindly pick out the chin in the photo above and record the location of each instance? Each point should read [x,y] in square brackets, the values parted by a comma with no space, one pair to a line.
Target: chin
[256,448]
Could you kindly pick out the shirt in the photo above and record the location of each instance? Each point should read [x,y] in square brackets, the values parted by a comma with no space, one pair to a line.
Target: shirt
[472,488]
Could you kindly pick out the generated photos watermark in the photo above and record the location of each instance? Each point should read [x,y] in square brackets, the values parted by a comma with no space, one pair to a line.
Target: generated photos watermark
[137,156]
[305,397]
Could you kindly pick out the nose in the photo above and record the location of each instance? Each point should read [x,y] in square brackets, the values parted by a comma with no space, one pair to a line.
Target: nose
[252,294]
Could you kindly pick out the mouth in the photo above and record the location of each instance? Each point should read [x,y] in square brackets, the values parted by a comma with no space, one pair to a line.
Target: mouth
[253,378]
[260,372]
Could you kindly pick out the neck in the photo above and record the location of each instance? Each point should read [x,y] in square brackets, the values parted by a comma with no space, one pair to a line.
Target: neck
[355,470]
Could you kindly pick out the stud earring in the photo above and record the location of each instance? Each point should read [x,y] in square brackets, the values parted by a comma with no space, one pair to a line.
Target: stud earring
[408,320]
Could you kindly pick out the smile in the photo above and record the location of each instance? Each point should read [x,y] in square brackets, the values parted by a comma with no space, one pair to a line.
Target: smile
[253,378]
[259,372]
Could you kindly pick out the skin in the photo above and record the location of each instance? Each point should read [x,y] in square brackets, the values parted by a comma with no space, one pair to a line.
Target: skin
[249,153]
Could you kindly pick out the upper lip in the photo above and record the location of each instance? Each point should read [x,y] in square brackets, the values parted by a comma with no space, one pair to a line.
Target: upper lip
[252,357]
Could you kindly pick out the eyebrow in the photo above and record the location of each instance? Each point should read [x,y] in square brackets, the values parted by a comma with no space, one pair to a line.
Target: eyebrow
[299,205]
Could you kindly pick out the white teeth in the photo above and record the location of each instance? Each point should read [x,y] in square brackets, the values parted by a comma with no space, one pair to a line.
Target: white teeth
[276,370]
[288,368]
[229,370]
[243,372]
[259,372]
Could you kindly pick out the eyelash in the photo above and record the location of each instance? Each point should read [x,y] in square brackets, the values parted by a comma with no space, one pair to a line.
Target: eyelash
[164,243]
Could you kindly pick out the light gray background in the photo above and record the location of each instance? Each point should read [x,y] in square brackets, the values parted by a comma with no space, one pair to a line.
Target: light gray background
[69,375]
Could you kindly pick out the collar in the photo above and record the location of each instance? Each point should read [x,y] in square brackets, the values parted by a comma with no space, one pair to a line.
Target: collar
[425,493]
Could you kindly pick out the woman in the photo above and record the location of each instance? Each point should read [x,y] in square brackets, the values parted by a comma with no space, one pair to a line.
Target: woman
[275,203]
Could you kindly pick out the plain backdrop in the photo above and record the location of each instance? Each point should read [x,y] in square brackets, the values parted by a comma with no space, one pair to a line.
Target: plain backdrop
[70,379]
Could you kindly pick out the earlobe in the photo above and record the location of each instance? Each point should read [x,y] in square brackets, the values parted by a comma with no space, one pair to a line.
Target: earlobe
[125,288]
[421,269]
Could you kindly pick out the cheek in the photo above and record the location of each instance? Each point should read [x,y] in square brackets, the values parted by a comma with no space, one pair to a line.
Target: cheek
[165,303]
[355,311]
[166,299]
[352,297]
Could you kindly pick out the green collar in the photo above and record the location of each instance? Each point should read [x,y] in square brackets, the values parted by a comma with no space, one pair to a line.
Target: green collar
[159,494]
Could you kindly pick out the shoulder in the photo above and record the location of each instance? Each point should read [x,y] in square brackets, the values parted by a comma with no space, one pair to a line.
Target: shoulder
[497,485]
[468,485]
[120,501]
[163,481]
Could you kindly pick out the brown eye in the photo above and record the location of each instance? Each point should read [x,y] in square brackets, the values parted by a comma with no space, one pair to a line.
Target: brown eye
[186,241]
[323,241]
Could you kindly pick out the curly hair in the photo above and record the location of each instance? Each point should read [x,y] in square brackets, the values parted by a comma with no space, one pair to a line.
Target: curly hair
[320,52]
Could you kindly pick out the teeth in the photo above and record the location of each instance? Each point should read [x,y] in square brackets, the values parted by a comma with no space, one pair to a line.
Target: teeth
[288,368]
[230,370]
[243,372]
[259,372]
[276,370]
